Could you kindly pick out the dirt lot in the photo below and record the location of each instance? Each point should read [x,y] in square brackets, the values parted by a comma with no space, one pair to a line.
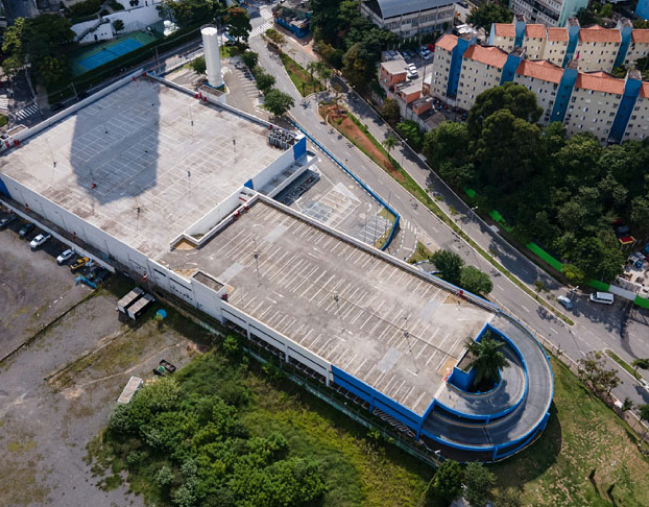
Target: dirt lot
[32,293]
[56,393]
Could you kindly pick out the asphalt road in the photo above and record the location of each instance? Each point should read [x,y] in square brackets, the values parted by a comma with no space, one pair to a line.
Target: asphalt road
[597,327]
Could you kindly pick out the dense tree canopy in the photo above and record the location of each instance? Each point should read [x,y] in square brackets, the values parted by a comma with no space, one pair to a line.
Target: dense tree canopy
[489,12]
[238,21]
[278,102]
[564,194]
[39,41]
[348,39]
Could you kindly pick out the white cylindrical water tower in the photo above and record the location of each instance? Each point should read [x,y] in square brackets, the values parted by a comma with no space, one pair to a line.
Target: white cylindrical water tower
[212,55]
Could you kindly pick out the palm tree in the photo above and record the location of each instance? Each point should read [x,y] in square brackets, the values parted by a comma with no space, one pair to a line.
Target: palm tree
[312,68]
[323,71]
[389,143]
[338,92]
[488,360]
[641,363]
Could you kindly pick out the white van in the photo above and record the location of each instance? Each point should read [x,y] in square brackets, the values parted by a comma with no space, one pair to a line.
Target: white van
[605,298]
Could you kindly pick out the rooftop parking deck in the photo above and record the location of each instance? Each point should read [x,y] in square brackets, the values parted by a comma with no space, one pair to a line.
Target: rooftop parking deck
[143,162]
[390,328]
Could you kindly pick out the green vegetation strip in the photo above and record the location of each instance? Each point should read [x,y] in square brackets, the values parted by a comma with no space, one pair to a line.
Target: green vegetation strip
[300,76]
[406,181]
[587,456]
[623,364]
[421,253]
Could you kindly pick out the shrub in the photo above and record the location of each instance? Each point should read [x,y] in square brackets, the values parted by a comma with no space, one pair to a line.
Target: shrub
[3,120]
[85,8]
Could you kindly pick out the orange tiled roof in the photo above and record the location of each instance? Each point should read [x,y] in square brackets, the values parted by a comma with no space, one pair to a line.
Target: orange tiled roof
[489,55]
[535,31]
[540,69]
[599,34]
[644,91]
[447,42]
[558,34]
[504,30]
[600,82]
[640,36]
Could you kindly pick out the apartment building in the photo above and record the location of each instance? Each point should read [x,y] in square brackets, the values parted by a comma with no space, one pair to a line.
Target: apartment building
[594,103]
[543,78]
[639,47]
[610,108]
[638,127]
[593,48]
[410,18]
[548,12]
[597,48]
[482,69]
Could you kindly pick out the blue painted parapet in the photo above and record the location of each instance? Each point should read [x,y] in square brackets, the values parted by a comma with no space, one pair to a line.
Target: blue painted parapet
[456,65]
[573,39]
[512,63]
[626,31]
[299,148]
[631,93]
[564,92]
[379,199]
[519,26]
[3,188]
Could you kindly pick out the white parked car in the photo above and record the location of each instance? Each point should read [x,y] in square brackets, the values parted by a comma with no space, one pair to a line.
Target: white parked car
[604,298]
[645,384]
[39,240]
[66,255]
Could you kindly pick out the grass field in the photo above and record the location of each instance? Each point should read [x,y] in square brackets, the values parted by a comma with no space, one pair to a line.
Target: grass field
[421,253]
[358,470]
[587,456]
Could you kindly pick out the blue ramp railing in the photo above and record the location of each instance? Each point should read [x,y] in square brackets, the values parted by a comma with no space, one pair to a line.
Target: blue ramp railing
[375,196]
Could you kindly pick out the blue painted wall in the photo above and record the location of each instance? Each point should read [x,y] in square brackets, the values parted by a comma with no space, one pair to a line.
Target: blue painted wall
[642,10]
[377,399]
[564,92]
[625,33]
[631,93]
[456,66]
[509,69]
[3,188]
[519,26]
[573,38]
[299,148]
[249,184]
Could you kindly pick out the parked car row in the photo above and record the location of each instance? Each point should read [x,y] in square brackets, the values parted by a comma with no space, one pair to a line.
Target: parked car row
[67,256]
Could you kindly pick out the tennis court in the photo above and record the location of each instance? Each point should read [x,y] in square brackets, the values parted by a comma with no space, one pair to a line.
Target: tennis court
[98,55]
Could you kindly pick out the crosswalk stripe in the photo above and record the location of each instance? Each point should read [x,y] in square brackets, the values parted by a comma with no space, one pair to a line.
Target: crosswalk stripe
[26,112]
[261,29]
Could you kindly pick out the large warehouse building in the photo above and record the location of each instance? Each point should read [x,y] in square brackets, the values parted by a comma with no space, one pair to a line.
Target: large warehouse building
[177,189]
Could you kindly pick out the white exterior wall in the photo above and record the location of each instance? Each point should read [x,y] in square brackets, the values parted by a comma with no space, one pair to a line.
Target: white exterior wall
[595,56]
[136,18]
[546,93]
[507,44]
[635,52]
[441,70]
[103,32]
[638,127]
[413,24]
[534,48]
[591,111]
[555,52]
[475,78]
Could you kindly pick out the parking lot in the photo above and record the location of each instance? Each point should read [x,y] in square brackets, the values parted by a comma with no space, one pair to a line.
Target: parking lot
[58,389]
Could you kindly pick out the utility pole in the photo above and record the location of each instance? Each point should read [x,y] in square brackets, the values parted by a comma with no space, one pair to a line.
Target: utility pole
[336,298]
[406,334]
[256,256]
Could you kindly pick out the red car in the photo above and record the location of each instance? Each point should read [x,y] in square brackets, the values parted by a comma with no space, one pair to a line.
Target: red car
[431,48]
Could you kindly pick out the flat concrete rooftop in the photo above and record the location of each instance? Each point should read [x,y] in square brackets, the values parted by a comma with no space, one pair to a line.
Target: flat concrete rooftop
[302,266]
[138,145]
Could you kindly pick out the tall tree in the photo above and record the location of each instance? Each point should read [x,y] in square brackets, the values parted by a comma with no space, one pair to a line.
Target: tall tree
[448,142]
[391,111]
[640,363]
[475,281]
[516,98]
[238,21]
[488,360]
[389,144]
[448,480]
[478,481]
[489,12]
[449,265]
[278,102]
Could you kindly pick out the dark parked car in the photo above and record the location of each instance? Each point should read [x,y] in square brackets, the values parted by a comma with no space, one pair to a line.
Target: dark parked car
[26,229]
[57,107]
[7,220]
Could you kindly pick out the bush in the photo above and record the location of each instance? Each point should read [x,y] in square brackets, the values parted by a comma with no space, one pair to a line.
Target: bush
[198,65]
[3,120]
[250,59]
[115,5]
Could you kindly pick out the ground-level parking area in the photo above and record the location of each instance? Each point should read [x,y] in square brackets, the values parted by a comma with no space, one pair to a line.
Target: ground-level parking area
[57,391]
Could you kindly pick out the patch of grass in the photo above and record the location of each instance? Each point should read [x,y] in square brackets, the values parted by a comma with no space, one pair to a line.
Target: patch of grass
[300,76]
[20,447]
[229,51]
[421,253]
[586,456]
[623,364]
[407,182]
[357,470]
[379,243]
